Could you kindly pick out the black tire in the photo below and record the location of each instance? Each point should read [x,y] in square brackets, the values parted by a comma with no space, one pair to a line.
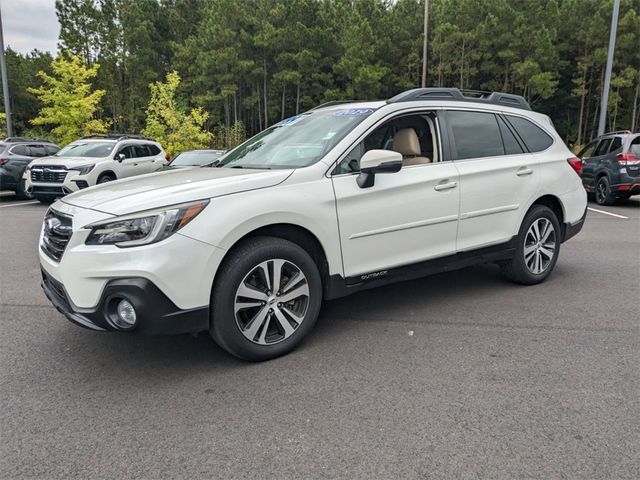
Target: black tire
[105,177]
[225,326]
[21,192]
[603,193]
[516,269]
[46,200]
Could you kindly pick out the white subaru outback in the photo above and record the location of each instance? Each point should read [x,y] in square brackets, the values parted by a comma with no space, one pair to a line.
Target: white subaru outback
[344,197]
[90,161]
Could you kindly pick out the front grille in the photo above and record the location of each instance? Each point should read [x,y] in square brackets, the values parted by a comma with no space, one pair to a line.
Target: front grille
[56,233]
[49,174]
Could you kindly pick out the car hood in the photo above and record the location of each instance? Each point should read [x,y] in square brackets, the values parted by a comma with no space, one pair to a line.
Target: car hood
[64,161]
[171,187]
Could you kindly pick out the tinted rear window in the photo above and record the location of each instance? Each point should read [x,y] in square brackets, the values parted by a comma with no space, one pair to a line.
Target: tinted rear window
[635,146]
[476,134]
[535,139]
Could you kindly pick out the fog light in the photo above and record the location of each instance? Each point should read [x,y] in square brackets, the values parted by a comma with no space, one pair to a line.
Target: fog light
[126,314]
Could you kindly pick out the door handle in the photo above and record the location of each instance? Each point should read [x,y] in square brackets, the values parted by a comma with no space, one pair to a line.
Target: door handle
[524,171]
[445,186]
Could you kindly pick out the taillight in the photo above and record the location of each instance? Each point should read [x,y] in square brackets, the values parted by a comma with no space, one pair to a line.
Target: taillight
[3,161]
[167,157]
[627,158]
[576,164]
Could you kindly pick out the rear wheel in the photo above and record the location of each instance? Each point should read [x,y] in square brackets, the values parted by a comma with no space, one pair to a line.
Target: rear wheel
[604,195]
[266,299]
[538,246]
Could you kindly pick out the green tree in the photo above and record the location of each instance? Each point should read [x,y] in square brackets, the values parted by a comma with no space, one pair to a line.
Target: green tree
[169,124]
[69,104]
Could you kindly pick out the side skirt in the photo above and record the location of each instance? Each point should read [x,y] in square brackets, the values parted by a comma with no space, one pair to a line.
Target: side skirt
[341,287]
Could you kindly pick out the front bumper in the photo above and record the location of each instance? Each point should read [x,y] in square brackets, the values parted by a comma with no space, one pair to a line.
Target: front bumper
[155,312]
[72,183]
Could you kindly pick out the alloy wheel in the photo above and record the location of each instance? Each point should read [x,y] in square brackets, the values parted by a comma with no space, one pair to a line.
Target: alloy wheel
[271,301]
[601,191]
[539,246]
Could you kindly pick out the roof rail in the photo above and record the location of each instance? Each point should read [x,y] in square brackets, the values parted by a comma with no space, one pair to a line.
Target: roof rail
[455,94]
[617,132]
[25,139]
[332,102]
[117,136]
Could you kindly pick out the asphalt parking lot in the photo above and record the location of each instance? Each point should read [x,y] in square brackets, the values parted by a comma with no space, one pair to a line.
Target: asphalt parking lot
[460,375]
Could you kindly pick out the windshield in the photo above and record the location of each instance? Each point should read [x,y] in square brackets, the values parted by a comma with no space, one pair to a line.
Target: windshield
[87,149]
[297,141]
[194,158]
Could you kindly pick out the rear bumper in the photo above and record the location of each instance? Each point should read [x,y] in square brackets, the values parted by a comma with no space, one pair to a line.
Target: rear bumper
[572,229]
[624,189]
[155,312]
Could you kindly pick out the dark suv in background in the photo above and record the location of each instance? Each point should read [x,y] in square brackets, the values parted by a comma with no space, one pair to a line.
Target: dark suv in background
[15,154]
[611,166]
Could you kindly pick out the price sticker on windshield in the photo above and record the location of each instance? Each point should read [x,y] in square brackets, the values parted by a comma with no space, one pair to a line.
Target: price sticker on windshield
[353,112]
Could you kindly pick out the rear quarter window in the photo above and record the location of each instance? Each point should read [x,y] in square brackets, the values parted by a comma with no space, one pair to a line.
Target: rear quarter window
[534,138]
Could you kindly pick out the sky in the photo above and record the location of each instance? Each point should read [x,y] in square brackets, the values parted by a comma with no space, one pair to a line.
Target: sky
[29,24]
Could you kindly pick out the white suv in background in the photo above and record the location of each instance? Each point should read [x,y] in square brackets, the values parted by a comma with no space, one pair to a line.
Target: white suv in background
[344,197]
[90,161]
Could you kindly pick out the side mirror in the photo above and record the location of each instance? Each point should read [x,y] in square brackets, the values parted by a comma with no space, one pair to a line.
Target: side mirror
[120,157]
[377,161]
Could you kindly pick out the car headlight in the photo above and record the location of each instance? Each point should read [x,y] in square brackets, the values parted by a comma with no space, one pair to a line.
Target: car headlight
[144,228]
[82,169]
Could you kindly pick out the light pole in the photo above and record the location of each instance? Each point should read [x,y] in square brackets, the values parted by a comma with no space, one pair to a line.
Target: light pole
[5,81]
[607,74]
[424,44]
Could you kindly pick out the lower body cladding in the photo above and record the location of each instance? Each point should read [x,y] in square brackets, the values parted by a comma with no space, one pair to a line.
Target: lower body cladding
[129,304]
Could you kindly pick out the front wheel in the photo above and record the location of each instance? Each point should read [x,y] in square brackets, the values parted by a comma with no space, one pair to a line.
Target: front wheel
[105,177]
[538,246]
[266,299]
[21,191]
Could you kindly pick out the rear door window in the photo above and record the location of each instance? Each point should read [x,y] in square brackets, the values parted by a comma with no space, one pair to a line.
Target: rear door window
[141,151]
[603,147]
[616,144]
[475,134]
[153,149]
[37,151]
[534,138]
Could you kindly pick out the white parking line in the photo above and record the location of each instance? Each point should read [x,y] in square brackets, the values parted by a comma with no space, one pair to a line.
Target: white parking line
[608,213]
[18,204]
